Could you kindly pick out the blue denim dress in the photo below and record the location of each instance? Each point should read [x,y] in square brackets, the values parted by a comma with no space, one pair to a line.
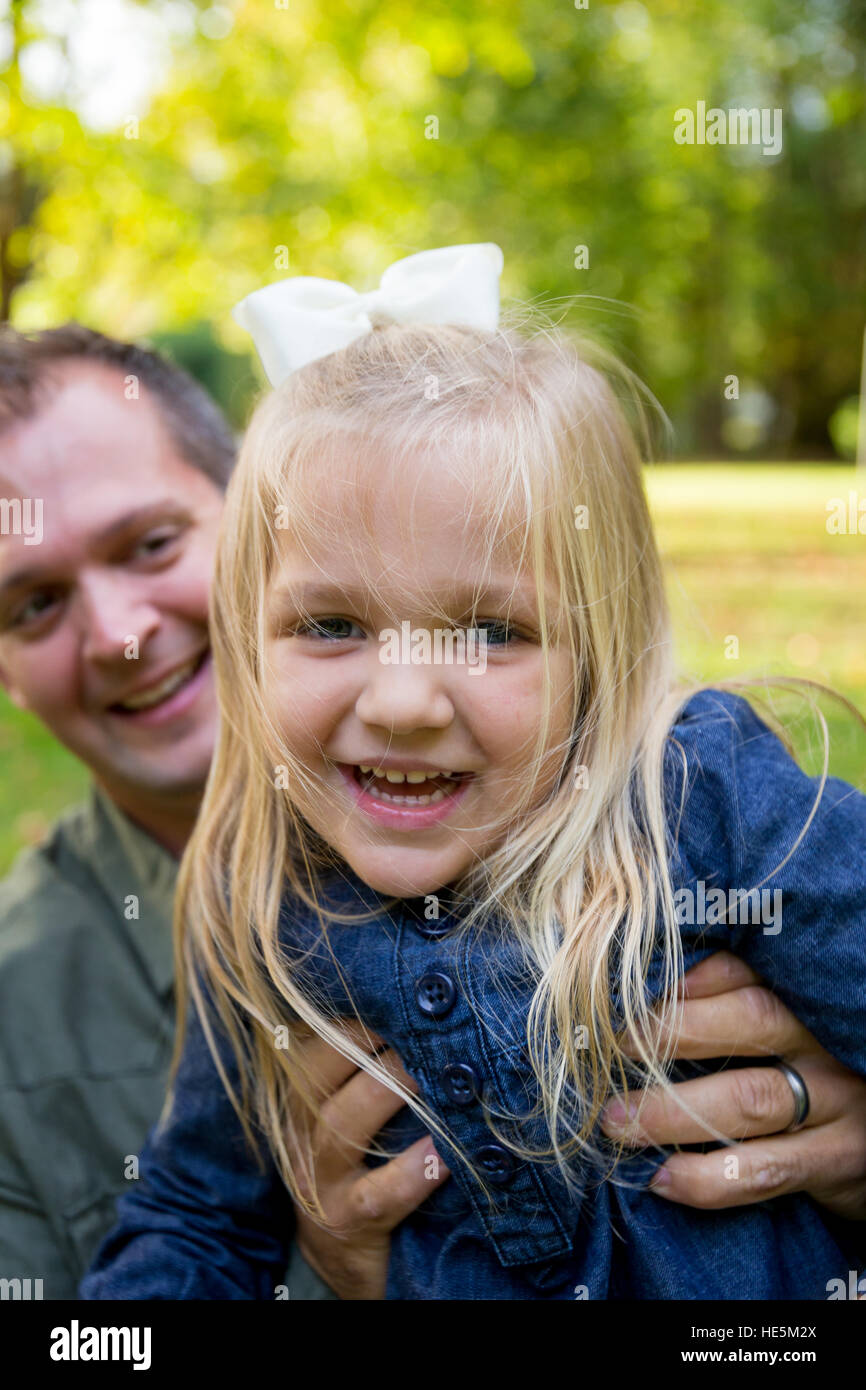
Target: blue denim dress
[204,1221]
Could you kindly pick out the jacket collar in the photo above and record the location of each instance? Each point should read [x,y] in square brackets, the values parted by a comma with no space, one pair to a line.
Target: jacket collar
[127,862]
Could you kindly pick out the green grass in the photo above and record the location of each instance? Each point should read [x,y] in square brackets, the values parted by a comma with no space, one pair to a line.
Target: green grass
[39,780]
[747,554]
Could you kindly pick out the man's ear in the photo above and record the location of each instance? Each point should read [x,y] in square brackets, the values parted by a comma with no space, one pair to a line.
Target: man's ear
[14,694]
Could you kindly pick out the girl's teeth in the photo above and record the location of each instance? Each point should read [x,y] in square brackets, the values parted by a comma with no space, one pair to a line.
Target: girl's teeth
[391,775]
[413,778]
[438,795]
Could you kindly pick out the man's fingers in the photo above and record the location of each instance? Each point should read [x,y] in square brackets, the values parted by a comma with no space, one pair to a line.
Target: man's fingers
[328,1068]
[716,975]
[352,1116]
[747,1022]
[386,1195]
[738,1104]
[759,1169]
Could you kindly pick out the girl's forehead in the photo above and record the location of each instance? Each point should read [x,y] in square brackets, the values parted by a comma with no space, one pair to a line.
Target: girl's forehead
[379,484]
[379,500]
[409,526]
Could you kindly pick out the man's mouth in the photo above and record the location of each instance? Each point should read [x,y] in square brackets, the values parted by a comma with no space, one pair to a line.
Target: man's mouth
[411,788]
[163,691]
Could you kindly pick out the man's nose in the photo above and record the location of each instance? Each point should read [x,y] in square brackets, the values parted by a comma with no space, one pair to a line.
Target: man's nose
[117,617]
[402,698]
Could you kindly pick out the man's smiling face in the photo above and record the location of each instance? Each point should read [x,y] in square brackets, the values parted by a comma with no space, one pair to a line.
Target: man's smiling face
[124,564]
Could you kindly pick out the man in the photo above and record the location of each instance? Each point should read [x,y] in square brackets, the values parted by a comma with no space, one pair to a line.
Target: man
[104,637]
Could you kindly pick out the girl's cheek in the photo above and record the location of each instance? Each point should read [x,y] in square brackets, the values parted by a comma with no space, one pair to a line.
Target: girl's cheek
[278,697]
[300,707]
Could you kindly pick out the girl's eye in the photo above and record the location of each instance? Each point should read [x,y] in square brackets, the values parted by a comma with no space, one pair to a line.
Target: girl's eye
[498,633]
[331,629]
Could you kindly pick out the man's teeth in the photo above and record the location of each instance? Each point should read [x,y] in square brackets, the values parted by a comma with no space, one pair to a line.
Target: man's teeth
[414,778]
[161,691]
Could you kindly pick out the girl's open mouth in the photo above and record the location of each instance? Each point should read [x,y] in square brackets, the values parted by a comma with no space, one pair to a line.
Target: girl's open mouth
[411,799]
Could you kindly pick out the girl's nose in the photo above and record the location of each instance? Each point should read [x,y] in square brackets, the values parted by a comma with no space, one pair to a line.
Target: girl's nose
[403,698]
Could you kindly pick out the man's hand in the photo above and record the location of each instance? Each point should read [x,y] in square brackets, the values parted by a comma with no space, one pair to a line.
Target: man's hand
[727,1012]
[362,1205]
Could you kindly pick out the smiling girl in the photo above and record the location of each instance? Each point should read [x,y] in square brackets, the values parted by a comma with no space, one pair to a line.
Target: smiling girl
[481,868]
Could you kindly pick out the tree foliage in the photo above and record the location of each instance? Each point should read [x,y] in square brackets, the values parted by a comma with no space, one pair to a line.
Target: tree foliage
[304,137]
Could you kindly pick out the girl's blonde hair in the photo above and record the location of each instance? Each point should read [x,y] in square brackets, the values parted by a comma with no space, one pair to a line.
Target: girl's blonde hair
[581,877]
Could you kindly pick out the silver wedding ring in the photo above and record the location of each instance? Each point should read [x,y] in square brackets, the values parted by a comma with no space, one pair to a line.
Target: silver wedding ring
[801,1096]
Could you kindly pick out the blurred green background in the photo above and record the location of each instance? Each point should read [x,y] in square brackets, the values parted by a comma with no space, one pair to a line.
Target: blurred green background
[159,160]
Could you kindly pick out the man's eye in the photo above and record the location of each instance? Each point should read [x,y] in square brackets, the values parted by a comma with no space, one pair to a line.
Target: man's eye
[36,606]
[332,629]
[156,542]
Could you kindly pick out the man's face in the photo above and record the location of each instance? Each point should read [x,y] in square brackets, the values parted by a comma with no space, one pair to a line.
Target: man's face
[103,624]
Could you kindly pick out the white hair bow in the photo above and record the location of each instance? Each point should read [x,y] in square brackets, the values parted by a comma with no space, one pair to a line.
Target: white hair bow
[296,321]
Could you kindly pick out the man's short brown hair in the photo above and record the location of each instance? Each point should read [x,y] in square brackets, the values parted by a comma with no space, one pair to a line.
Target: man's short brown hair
[197,427]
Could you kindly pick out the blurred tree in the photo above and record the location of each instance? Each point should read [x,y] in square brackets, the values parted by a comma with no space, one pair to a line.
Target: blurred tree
[19,197]
[230,377]
[328,139]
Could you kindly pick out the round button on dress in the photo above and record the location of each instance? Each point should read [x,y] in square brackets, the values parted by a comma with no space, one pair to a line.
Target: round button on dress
[496,1163]
[435,994]
[461,1082]
[432,927]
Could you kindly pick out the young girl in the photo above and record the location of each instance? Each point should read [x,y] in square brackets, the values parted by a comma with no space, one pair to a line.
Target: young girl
[498,854]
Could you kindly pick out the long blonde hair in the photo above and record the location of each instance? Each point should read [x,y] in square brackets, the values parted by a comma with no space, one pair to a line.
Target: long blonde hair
[582,878]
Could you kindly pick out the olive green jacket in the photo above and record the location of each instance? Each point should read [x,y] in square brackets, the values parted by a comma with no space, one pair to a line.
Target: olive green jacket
[86,1034]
